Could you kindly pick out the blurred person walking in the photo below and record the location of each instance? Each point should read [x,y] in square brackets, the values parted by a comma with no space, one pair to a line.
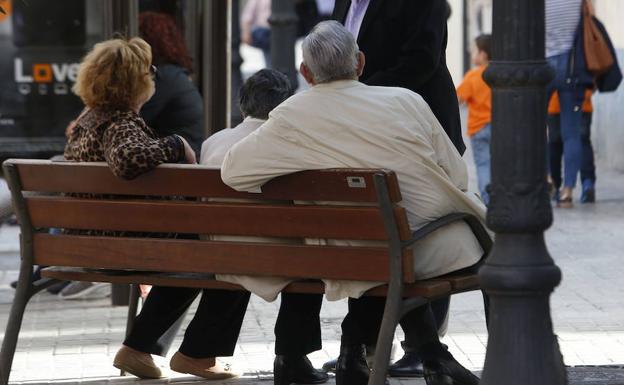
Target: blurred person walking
[474,92]
[255,28]
[563,18]
[580,51]
[555,148]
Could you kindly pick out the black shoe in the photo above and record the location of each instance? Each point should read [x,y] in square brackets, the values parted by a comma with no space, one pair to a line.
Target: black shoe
[57,287]
[351,367]
[447,371]
[588,195]
[296,369]
[410,365]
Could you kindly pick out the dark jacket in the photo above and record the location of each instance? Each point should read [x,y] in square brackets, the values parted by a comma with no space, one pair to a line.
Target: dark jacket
[578,73]
[405,46]
[176,107]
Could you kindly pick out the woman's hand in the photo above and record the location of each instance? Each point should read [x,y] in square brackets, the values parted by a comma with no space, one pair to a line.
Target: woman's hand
[189,153]
[69,130]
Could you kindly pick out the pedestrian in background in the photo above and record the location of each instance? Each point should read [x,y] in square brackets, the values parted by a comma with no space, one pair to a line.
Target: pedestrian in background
[563,18]
[476,94]
[555,148]
[176,107]
[255,29]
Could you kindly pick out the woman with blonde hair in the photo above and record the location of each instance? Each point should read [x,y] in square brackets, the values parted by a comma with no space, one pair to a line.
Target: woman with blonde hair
[114,81]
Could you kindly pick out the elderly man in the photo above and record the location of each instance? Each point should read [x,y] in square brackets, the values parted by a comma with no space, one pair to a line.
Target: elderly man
[405,46]
[340,122]
[297,329]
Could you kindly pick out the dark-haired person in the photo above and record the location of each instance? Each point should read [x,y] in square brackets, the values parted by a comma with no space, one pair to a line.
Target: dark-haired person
[177,106]
[297,330]
[262,92]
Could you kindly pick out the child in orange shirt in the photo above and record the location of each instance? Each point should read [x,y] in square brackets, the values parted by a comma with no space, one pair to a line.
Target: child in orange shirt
[474,92]
[555,148]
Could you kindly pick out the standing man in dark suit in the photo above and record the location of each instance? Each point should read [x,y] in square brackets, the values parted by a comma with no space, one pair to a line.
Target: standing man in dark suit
[405,46]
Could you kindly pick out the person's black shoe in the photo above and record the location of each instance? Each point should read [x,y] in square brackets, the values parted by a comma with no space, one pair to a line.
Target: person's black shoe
[330,366]
[447,371]
[410,365]
[351,367]
[296,369]
[588,195]
[57,287]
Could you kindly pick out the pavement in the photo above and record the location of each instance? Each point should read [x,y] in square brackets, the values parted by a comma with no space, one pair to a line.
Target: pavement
[73,342]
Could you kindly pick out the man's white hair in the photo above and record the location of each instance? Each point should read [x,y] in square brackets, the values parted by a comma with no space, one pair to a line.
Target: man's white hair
[330,52]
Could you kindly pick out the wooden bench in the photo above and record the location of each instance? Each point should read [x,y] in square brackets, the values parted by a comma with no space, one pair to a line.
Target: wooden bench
[39,192]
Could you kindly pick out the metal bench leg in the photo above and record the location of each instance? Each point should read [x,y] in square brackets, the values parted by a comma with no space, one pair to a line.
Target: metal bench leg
[133,305]
[23,293]
[389,323]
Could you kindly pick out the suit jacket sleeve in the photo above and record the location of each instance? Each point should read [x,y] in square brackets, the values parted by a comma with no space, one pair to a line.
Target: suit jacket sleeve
[421,53]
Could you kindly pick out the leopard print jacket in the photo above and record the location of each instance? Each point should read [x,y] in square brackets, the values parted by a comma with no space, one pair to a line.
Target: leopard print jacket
[127,145]
[123,140]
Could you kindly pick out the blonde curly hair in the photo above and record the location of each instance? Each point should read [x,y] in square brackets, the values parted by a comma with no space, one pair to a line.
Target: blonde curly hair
[115,74]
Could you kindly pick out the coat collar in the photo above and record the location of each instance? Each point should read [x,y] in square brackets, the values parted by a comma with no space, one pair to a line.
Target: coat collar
[339,84]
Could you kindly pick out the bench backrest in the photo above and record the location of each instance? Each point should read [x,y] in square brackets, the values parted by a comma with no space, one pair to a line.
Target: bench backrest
[360,205]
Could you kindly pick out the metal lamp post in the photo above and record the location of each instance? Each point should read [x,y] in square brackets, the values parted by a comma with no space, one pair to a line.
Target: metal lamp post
[519,275]
[283,23]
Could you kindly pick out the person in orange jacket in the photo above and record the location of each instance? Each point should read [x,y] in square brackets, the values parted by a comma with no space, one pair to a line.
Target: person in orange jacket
[476,94]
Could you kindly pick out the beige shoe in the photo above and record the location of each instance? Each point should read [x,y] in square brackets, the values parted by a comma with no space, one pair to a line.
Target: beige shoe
[565,199]
[187,365]
[136,363]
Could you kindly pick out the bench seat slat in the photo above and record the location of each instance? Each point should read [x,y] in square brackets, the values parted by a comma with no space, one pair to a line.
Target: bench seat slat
[212,218]
[199,181]
[194,256]
[426,289]
[463,282]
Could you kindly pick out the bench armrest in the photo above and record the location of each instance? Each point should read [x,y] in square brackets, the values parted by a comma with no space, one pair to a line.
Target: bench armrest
[476,226]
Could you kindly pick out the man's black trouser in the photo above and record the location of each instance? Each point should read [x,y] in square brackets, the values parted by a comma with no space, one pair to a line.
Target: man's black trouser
[214,329]
[363,321]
